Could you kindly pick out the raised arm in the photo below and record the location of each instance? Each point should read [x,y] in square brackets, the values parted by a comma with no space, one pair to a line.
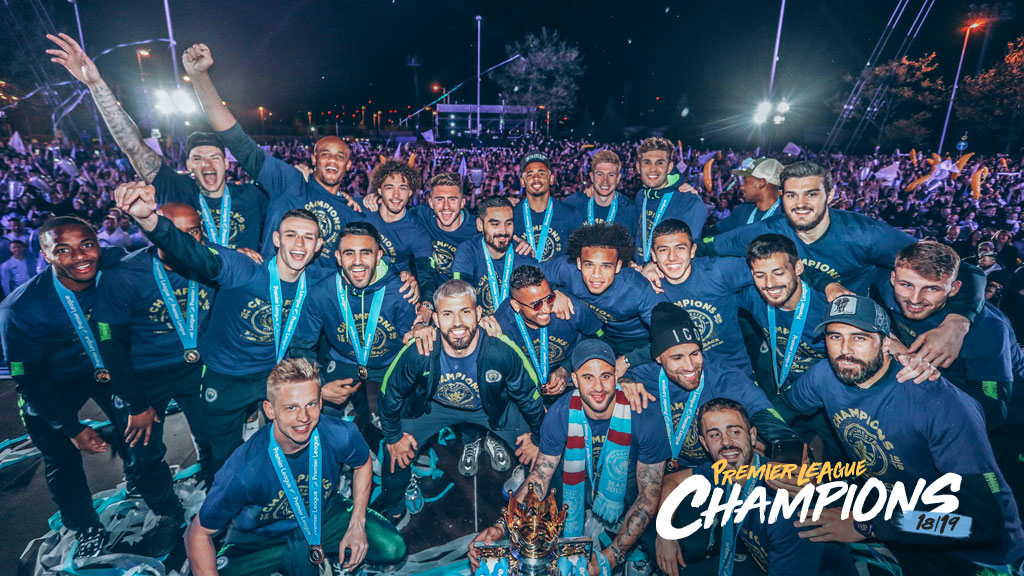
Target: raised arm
[70,55]
[197,60]
[644,508]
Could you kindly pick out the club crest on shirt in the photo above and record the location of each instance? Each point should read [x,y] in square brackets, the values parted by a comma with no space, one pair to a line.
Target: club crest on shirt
[864,436]
[279,508]
[551,246]
[259,317]
[601,314]
[444,257]
[492,376]
[330,224]
[457,390]
[237,226]
[385,333]
[210,395]
[158,311]
[222,562]
[118,402]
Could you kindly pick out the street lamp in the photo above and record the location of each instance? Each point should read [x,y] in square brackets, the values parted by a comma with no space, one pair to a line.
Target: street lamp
[956,81]
[263,126]
[143,53]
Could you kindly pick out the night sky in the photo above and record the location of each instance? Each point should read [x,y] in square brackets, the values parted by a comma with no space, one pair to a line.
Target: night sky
[318,55]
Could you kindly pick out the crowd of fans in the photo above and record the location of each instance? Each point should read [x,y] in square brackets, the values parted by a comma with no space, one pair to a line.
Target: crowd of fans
[58,178]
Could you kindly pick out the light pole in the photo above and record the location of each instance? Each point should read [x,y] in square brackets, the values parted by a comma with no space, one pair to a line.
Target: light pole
[81,42]
[263,126]
[142,53]
[478,21]
[956,81]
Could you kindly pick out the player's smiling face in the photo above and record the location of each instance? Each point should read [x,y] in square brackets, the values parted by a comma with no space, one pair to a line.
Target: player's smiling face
[920,297]
[537,179]
[525,298]
[673,253]
[599,267]
[727,437]
[457,319]
[776,278]
[605,178]
[395,193]
[74,252]
[805,201]
[331,160]
[683,364]
[297,241]
[447,203]
[358,257]
[596,382]
[654,167]
[295,410]
[208,166]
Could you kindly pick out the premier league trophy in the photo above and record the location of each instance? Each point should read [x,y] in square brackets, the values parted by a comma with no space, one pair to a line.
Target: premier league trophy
[534,547]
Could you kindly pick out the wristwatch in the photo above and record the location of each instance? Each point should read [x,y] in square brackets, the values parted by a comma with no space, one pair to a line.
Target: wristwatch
[865,529]
[620,556]
[625,360]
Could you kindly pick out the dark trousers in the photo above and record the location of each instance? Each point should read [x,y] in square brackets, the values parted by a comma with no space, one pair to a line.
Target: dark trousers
[393,485]
[146,464]
[65,476]
[247,554]
[227,400]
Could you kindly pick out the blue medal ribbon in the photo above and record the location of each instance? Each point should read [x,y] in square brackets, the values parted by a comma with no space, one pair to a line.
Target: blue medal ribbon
[187,326]
[545,228]
[222,235]
[361,347]
[727,556]
[309,523]
[766,215]
[78,320]
[498,296]
[678,437]
[611,210]
[281,340]
[540,364]
[792,341]
[647,238]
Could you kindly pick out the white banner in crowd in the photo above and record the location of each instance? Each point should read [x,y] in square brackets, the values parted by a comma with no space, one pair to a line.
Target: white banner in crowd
[888,174]
[155,145]
[428,135]
[792,149]
[16,143]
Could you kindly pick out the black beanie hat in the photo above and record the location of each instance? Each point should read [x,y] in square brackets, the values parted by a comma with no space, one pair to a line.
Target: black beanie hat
[197,139]
[671,325]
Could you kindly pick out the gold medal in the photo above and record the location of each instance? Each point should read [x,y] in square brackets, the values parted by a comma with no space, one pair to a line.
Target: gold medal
[191,355]
[316,555]
[363,372]
[101,375]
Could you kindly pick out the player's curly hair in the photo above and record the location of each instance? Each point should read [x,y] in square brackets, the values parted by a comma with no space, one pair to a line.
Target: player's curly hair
[602,235]
[392,167]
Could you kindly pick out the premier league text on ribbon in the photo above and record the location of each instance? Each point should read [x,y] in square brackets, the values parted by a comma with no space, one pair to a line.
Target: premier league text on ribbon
[855,499]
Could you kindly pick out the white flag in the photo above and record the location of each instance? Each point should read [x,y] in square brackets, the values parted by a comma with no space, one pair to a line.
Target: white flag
[428,135]
[462,168]
[398,151]
[16,143]
[888,174]
[155,145]
[705,157]
[68,166]
[792,149]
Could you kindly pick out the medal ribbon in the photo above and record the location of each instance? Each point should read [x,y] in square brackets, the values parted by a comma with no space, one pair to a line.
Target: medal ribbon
[308,523]
[678,437]
[361,348]
[611,210]
[766,215]
[281,341]
[212,233]
[78,320]
[796,329]
[186,327]
[540,364]
[647,238]
[498,296]
[544,229]
[727,557]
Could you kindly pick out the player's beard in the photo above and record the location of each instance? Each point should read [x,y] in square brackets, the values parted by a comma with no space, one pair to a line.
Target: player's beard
[858,374]
[463,342]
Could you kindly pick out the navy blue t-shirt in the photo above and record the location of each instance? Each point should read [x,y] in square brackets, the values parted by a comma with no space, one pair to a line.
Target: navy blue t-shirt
[247,494]
[625,307]
[248,206]
[684,206]
[563,335]
[812,347]
[849,251]
[718,383]
[626,213]
[741,214]
[471,267]
[458,386]
[564,220]
[402,241]
[778,549]
[709,295]
[239,339]
[905,432]
[129,296]
[322,312]
[442,242]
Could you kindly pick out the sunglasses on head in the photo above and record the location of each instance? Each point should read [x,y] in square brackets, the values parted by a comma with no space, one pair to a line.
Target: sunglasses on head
[535,306]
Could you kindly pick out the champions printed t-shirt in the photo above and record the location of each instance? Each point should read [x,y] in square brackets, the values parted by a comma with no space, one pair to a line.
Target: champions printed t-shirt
[626,213]
[402,241]
[129,296]
[709,294]
[905,432]
[442,242]
[247,495]
[248,206]
[322,312]
[719,382]
[564,219]
[848,252]
[683,206]
[625,306]
[36,329]
[239,339]
[471,267]
[288,190]
[563,335]
[458,386]
[812,347]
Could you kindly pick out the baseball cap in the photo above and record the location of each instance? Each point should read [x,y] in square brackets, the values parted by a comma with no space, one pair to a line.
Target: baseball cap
[197,139]
[535,156]
[590,349]
[859,311]
[767,168]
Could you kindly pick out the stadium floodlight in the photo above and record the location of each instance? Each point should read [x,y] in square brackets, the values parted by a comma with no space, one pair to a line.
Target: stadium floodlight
[778,119]
[783,107]
[764,108]
[176,102]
